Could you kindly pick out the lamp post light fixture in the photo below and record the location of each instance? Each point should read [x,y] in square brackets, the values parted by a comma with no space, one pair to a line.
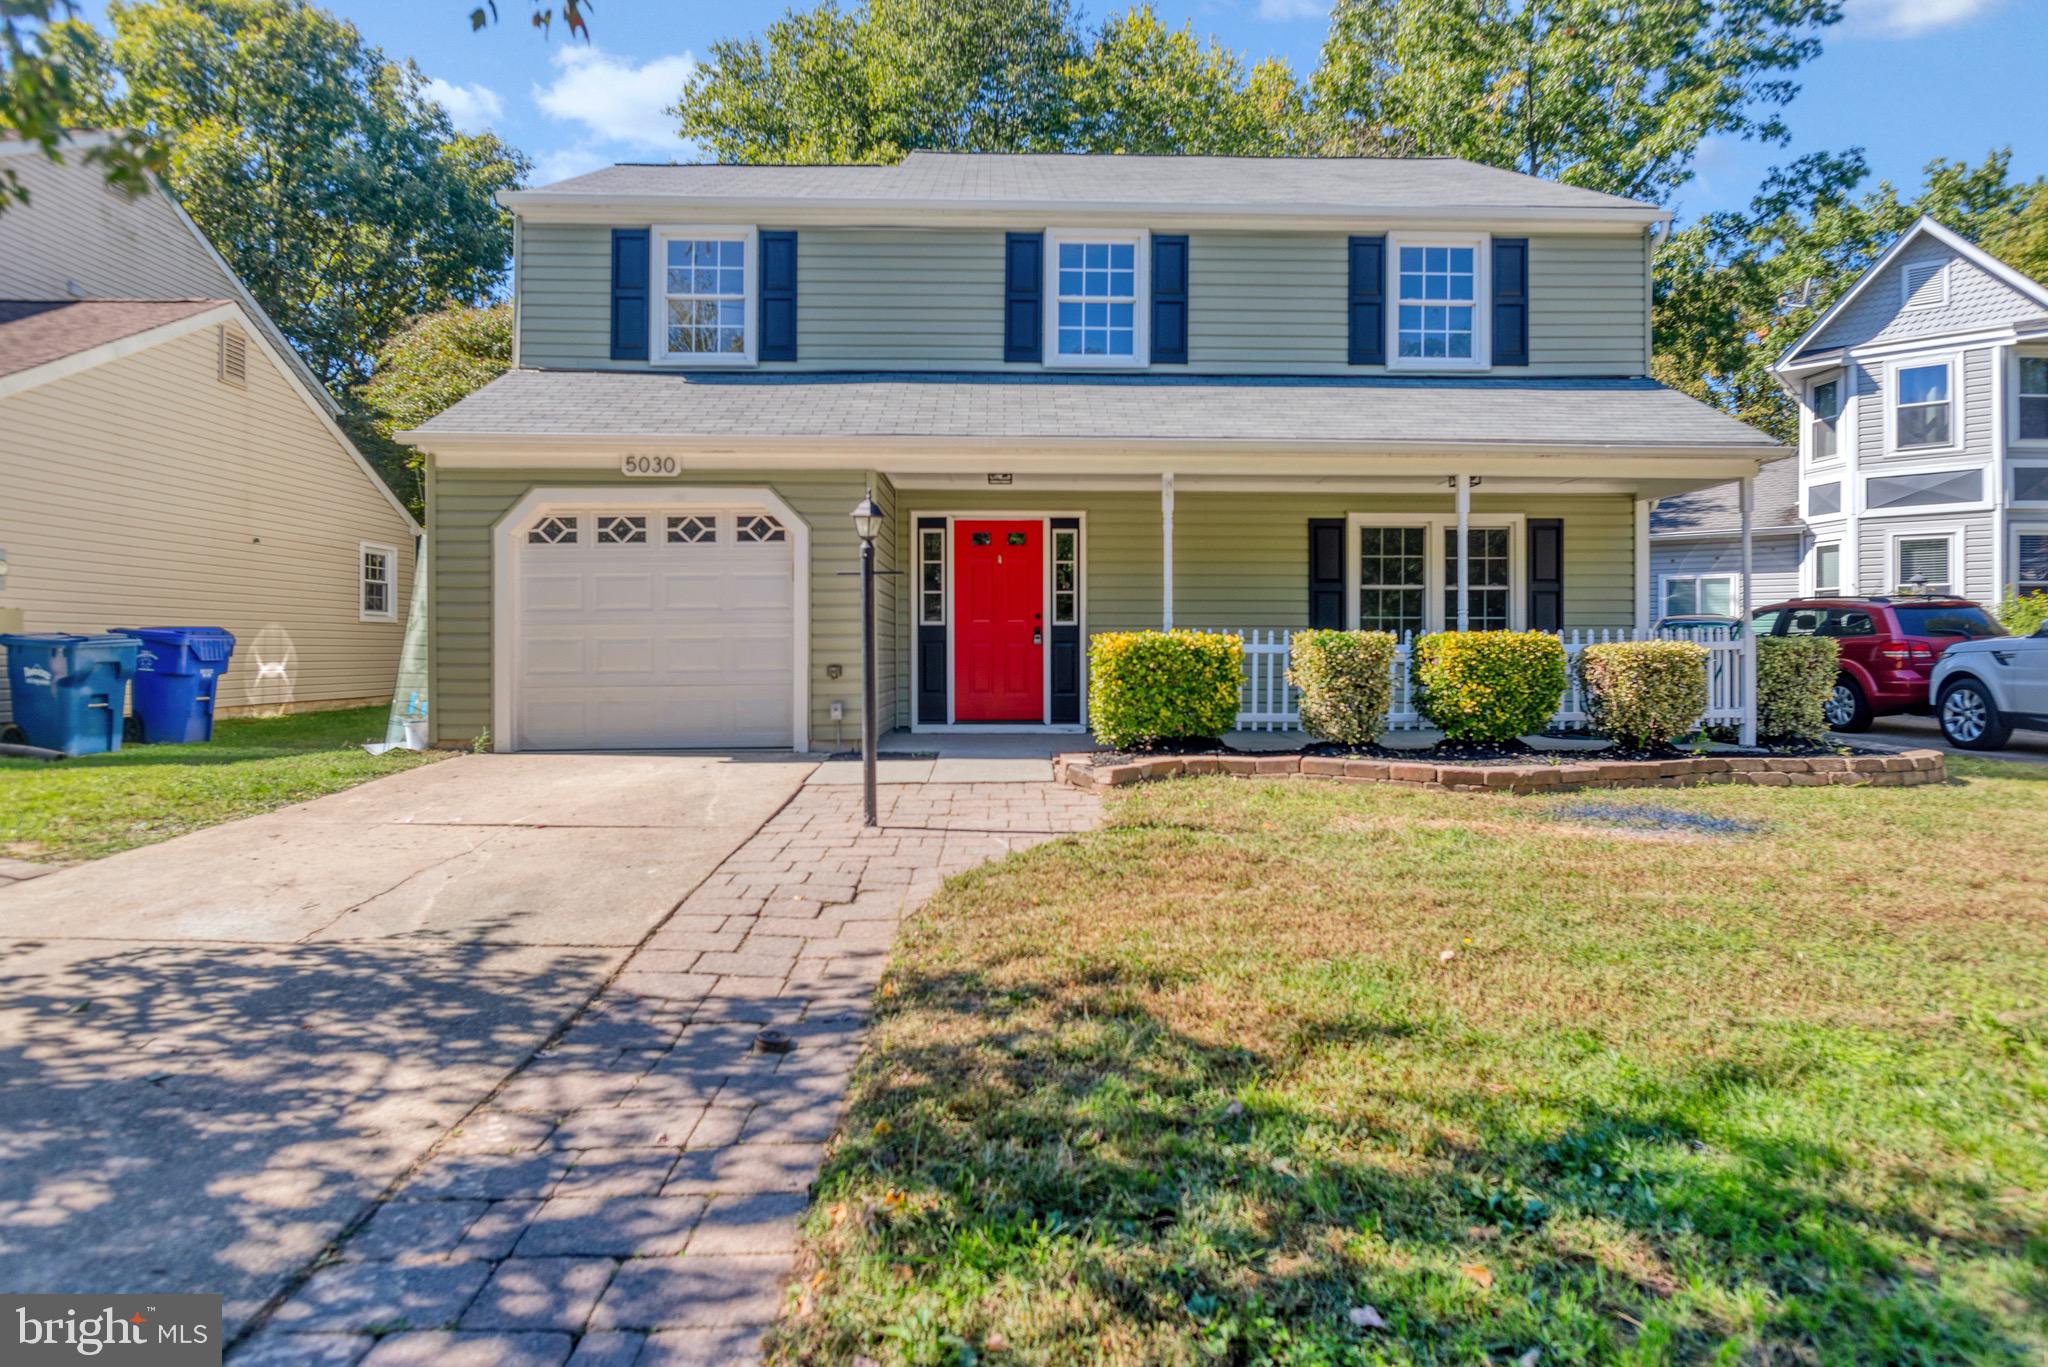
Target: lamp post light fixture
[867,523]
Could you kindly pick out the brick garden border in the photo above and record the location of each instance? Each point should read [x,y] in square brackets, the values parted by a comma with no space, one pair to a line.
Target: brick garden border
[1904,770]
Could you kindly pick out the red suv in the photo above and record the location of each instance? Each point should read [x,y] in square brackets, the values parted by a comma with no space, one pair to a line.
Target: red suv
[1889,646]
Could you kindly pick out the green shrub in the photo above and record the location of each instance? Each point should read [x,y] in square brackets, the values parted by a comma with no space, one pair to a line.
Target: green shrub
[1644,693]
[1346,680]
[1794,675]
[2023,613]
[1489,685]
[1147,686]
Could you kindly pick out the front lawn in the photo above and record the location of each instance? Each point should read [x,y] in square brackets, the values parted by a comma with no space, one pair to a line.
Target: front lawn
[99,804]
[1296,1072]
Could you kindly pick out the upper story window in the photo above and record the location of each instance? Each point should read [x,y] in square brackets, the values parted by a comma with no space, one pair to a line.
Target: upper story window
[1824,402]
[1097,283]
[1922,407]
[2033,398]
[1438,284]
[708,279]
[1923,285]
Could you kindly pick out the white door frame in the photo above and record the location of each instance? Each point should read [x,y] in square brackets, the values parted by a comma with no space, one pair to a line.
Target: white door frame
[505,549]
[1045,521]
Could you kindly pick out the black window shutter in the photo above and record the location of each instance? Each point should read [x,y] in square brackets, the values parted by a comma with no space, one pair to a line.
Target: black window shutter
[629,294]
[1368,301]
[1169,300]
[1546,574]
[1511,301]
[1326,573]
[1023,297]
[778,297]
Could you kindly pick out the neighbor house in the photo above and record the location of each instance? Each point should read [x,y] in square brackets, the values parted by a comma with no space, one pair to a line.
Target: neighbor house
[1923,453]
[1696,546]
[167,460]
[1091,394]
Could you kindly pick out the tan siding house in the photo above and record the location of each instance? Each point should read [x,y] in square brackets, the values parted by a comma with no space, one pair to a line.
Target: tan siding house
[166,464]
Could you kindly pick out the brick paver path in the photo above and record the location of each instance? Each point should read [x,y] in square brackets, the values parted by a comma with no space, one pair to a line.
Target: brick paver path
[631,1196]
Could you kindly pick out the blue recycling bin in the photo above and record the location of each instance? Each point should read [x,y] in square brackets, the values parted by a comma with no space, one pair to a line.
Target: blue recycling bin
[177,672]
[69,691]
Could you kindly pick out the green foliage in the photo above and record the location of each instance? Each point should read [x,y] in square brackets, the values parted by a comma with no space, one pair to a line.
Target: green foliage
[1145,88]
[1794,675]
[1146,686]
[1346,680]
[435,361]
[43,86]
[1567,89]
[1489,685]
[320,168]
[2023,614]
[1644,693]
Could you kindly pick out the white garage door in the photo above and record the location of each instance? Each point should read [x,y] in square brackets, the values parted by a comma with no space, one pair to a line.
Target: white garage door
[654,629]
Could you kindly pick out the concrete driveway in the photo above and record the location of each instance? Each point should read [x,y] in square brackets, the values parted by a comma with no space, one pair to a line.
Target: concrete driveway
[216,1052]
[1908,733]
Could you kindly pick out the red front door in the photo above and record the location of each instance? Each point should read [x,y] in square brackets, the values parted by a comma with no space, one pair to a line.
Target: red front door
[999,621]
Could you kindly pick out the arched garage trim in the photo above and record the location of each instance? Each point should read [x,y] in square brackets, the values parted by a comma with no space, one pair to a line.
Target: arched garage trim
[505,605]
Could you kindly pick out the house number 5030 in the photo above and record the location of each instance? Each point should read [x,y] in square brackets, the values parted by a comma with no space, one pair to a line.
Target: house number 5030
[650,467]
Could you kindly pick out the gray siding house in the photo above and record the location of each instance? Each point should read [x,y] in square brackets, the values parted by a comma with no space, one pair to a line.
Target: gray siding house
[1090,393]
[1923,456]
[1696,546]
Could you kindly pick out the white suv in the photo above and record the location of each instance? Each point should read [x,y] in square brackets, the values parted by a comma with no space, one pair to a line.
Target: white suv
[1982,689]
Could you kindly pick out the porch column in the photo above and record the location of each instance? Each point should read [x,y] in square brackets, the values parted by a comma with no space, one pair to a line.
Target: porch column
[1748,735]
[1645,616]
[1463,484]
[1166,551]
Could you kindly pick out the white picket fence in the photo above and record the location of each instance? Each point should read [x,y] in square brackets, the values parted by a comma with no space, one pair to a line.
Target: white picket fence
[1269,703]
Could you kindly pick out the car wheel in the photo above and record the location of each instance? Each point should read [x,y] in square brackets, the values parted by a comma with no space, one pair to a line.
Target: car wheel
[1969,718]
[1846,708]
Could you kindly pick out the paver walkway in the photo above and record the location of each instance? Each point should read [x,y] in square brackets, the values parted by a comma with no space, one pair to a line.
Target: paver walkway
[632,1195]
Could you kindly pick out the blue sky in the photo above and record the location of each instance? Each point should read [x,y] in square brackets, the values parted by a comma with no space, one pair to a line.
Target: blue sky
[1908,80]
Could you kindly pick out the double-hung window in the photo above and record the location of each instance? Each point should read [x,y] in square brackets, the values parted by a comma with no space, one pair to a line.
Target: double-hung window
[1923,409]
[1687,594]
[1438,322]
[1099,307]
[376,573]
[1922,562]
[1827,568]
[1824,402]
[708,279]
[2030,560]
[1392,579]
[2033,398]
[1487,574]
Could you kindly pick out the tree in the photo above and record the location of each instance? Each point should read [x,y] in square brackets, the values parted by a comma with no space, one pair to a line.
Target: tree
[1145,88]
[1735,289]
[1613,98]
[320,169]
[40,90]
[2021,240]
[436,360]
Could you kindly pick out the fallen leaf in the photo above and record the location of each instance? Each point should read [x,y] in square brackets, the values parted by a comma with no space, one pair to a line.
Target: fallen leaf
[1447,956]
[1478,1272]
[995,1342]
[1365,1317]
[1530,1358]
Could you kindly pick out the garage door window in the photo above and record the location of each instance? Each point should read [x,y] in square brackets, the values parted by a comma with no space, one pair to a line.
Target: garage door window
[552,531]
[616,529]
[692,531]
[759,527]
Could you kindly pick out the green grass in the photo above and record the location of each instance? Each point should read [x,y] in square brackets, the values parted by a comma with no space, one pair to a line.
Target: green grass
[1196,1086]
[97,805]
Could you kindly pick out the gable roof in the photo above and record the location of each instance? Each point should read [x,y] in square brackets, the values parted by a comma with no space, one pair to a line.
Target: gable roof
[1718,511]
[1924,227]
[37,332]
[1064,182]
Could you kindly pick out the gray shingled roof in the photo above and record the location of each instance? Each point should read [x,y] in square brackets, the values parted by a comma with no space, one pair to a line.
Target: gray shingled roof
[35,332]
[1590,414]
[967,180]
[1719,509]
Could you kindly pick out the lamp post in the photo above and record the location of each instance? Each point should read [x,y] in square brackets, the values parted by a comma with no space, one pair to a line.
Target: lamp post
[867,522]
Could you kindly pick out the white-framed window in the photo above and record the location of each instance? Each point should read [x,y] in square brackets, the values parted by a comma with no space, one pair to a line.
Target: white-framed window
[1924,562]
[1439,318]
[2030,400]
[1066,576]
[1686,595]
[376,582]
[707,281]
[1913,491]
[931,576]
[1404,573]
[1097,280]
[1824,410]
[1923,406]
[1923,285]
[1824,500]
[2030,559]
[2029,483]
[1827,568]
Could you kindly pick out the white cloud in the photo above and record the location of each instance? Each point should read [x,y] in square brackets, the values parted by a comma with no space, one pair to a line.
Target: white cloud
[623,104]
[1909,18]
[1283,11]
[470,107]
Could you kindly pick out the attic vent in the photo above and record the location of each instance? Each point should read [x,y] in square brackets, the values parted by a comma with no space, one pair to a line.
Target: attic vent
[234,358]
[1925,284]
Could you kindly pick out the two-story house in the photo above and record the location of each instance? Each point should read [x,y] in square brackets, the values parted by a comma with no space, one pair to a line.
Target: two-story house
[1923,454]
[1091,393]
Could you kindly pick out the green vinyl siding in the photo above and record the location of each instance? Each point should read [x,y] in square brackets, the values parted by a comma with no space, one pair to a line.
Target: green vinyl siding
[932,299]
